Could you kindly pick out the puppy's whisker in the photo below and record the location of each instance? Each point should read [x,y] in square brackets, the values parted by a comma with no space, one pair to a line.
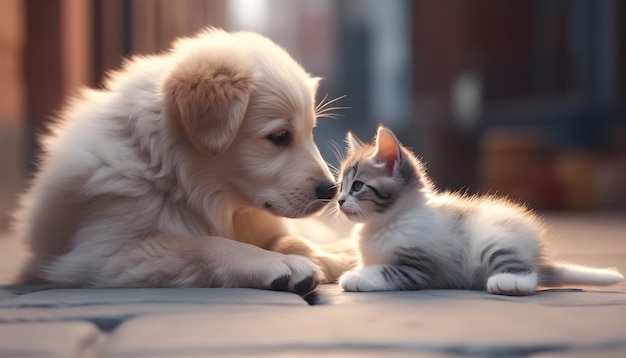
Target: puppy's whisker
[329,109]
[304,210]
[327,113]
[334,170]
[323,110]
[337,151]
[323,104]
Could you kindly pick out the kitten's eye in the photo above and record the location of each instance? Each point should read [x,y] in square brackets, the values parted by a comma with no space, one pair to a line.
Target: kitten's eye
[357,185]
[280,139]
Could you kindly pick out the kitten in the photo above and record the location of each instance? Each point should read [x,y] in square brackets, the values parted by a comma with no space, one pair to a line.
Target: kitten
[412,237]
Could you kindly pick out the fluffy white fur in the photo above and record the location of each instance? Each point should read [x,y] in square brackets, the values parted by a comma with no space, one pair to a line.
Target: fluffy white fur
[413,237]
[167,177]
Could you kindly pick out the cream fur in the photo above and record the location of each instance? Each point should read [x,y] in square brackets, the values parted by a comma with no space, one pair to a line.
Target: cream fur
[166,177]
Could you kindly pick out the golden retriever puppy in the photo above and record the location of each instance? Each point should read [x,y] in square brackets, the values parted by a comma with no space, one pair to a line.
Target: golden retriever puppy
[179,173]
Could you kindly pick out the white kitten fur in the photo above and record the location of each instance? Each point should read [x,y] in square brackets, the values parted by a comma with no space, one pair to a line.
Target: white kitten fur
[413,237]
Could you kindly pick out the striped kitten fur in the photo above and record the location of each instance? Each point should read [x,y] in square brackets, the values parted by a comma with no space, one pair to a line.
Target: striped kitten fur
[412,237]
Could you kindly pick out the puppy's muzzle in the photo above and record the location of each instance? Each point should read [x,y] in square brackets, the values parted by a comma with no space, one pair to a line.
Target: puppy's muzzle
[326,190]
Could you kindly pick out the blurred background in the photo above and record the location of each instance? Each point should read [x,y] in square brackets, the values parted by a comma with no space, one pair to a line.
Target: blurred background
[523,98]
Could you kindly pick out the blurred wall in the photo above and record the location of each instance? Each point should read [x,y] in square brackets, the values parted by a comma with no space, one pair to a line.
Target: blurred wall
[12,126]
[522,98]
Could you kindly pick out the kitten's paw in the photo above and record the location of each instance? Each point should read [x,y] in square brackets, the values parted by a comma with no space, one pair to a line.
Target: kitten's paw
[360,281]
[512,284]
[295,274]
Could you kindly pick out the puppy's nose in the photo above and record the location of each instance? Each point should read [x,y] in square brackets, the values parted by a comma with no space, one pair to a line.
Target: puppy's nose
[326,190]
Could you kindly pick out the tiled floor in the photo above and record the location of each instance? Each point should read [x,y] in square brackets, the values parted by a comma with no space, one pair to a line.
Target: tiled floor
[242,322]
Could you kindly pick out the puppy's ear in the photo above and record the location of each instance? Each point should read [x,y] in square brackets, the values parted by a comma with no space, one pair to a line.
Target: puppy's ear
[208,95]
[314,83]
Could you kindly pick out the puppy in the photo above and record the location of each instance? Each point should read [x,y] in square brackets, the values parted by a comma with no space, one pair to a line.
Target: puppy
[180,172]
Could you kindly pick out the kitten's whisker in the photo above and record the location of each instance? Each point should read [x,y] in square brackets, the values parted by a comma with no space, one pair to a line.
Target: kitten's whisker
[364,214]
[336,214]
[331,213]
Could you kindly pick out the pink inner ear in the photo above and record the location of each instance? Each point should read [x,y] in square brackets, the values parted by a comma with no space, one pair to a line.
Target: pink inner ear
[387,150]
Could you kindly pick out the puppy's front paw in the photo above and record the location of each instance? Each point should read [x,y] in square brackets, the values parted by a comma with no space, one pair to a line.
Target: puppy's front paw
[359,280]
[333,266]
[295,274]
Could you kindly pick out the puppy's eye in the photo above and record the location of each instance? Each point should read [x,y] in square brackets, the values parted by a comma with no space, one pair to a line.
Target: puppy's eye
[280,139]
[357,185]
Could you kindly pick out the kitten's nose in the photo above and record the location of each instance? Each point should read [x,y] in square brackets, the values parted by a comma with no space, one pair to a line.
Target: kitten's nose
[326,190]
[341,201]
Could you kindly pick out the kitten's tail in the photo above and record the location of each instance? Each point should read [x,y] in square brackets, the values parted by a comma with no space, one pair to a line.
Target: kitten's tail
[552,275]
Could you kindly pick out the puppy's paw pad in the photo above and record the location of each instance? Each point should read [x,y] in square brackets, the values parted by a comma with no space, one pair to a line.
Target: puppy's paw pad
[281,283]
[305,286]
[314,298]
[294,274]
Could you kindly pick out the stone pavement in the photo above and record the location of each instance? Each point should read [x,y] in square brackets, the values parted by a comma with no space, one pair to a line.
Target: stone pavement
[569,322]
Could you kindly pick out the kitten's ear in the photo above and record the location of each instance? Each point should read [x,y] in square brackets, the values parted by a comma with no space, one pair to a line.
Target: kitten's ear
[354,143]
[387,149]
